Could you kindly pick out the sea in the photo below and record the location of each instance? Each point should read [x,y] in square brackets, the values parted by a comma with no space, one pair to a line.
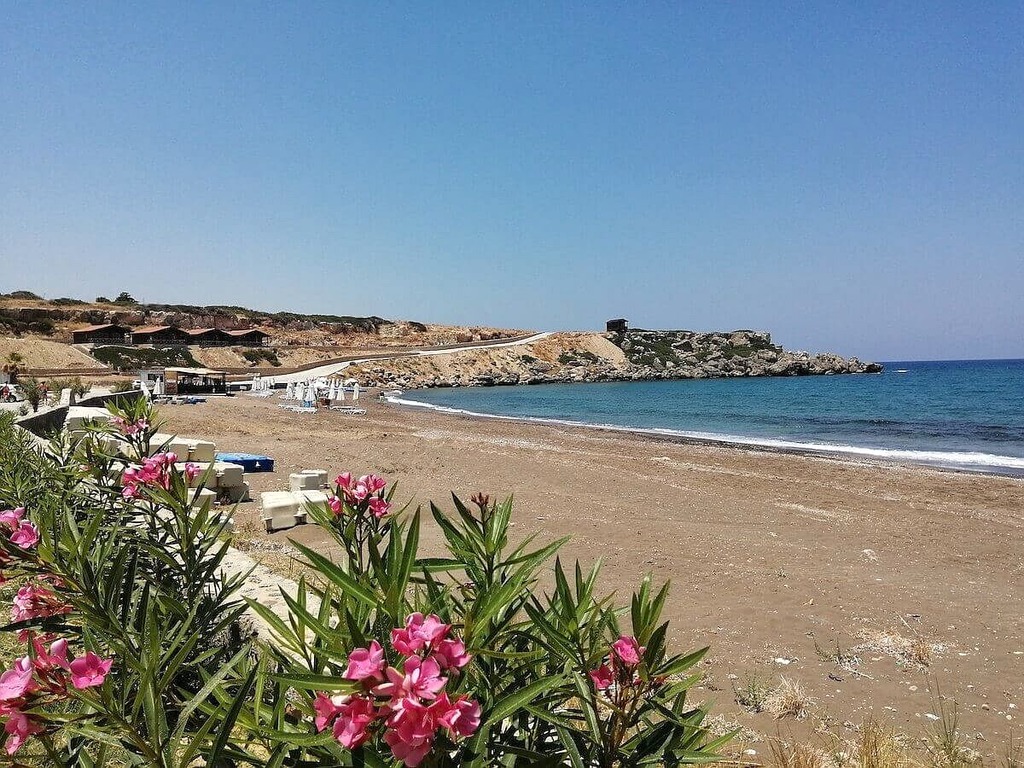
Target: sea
[957,414]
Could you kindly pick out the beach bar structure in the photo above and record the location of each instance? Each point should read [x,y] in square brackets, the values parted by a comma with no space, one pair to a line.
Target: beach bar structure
[249,337]
[166,335]
[194,381]
[618,325]
[108,333]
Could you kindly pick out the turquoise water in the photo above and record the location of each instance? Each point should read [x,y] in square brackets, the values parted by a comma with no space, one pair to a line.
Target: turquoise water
[960,414]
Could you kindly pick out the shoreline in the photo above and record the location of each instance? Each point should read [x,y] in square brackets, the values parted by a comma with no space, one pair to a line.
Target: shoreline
[845,453]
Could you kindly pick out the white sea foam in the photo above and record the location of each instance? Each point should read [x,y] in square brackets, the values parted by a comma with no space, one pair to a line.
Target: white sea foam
[968,460]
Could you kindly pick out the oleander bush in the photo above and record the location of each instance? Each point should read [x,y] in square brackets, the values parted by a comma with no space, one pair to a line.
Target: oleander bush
[129,654]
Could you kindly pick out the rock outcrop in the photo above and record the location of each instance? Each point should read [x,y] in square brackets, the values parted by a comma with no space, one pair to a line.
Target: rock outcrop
[693,355]
[632,356]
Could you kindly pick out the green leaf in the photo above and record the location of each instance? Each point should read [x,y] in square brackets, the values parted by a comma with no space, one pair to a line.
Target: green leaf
[343,580]
[514,701]
[313,682]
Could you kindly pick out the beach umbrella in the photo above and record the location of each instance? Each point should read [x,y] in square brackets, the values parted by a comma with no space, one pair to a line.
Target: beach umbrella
[158,387]
[145,391]
[355,391]
[309,397]
[289,391]
[334,390]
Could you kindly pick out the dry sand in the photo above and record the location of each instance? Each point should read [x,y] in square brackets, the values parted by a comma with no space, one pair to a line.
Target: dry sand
[773,558]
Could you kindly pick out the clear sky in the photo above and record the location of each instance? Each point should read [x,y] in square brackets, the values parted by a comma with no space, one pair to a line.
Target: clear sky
[848,176]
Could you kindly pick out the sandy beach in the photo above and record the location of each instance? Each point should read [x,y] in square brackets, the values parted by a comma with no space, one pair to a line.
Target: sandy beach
[785,565]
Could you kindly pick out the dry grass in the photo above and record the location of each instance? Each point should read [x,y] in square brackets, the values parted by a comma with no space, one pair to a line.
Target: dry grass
[1013,755]
[788,699]
[785,754]
[945,743]
[914,651]
[875,746]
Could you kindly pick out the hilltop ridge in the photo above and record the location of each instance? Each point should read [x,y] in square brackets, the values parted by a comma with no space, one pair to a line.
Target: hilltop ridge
[636,355]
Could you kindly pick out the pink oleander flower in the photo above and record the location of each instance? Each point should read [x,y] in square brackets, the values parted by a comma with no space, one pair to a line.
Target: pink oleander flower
[366,664]
[130,427]
[461,717]
[12,517]
[357,493]
[411,732]
[36,602]
[451,654]
[327,708]
[17,682]
[192,471]
[420,679]
[350,726]
[603,677]
[26,536]
[336,505]
[55,658]
[419,632]
[19,728]
[89,670]
[379,507]
[628,650]
[373,483]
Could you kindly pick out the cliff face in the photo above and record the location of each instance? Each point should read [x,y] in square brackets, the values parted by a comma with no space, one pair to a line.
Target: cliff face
[633,356]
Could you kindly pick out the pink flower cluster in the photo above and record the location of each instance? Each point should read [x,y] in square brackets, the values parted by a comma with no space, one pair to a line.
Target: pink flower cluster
[130,427]
[43,675]
[37,602]
[20,532]
[155,471]
[409,700]
[621,666]
[367,493]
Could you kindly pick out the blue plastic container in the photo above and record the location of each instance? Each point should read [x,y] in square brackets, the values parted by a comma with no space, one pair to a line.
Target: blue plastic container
[251,462]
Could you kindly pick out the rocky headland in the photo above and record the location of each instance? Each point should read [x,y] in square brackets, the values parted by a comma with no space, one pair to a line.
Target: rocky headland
[635,355]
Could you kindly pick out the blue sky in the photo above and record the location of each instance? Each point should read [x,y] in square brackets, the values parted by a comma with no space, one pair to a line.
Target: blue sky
[848,176]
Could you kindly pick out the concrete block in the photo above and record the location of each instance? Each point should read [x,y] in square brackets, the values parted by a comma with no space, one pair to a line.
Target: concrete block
[301,481]
[236,493]
[200,496]
[229,475]
[307,499]
[321,476]
[202,450]
[177,445]
[279,509]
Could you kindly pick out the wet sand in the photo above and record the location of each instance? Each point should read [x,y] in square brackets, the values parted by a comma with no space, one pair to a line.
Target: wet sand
[772,557]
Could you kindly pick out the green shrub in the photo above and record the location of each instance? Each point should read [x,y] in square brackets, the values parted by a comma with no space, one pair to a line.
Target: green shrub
[386,656]
[255,356]
[136,358]
[141,602]
[28,295]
